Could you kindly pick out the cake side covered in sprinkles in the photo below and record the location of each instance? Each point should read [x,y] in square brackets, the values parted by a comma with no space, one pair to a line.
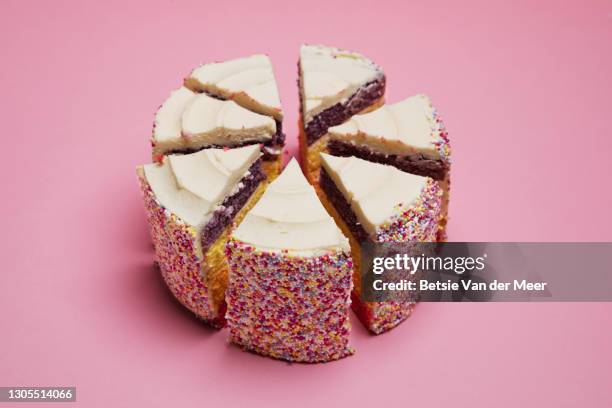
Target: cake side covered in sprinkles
[191,202]
[293,308]
[175,244]
[376,203]
[290,276]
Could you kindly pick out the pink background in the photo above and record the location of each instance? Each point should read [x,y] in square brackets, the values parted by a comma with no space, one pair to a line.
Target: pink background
[523,86]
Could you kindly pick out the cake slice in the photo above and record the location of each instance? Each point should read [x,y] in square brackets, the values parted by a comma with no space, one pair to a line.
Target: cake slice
[408,135]
[249,82]
[334,85]
[290,276]
[191,202]
[188,122]
[376,203]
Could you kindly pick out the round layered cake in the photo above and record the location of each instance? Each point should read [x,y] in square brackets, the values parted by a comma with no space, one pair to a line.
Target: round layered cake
[277,256]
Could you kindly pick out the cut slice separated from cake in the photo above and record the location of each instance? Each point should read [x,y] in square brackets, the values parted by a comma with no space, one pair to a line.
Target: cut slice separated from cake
[192,201]
[188,122]
[250,82]
[290,276]
[408,135]
[334,85]
[377,203]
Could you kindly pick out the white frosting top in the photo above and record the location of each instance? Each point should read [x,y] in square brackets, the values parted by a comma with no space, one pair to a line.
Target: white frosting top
[192,185]
[168,117]
[290,216]
[405,127]
[251,76]
[224,120]
[330,75]
[212,121]
[376,192]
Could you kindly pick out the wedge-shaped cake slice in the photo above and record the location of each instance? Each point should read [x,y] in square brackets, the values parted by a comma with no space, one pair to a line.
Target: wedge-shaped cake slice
[248,81]
[334,85]
[375,203]
[408,135]
[188,122]
[191,203]
[290,276]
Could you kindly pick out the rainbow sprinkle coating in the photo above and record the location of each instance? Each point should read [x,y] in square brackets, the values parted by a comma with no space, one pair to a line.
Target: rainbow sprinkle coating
[416,223]
[290,307]
[441,142]
[383,316]
[419,223]
[176,253]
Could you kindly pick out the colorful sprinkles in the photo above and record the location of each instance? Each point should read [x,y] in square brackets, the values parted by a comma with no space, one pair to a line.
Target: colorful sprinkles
[441,141]
[418,223]
[288,306]
[442,144]
[176,253]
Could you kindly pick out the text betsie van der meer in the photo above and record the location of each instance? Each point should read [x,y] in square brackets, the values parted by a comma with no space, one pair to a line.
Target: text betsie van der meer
[457,265]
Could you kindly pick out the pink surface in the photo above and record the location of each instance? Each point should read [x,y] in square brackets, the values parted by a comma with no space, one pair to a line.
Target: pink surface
[523,86]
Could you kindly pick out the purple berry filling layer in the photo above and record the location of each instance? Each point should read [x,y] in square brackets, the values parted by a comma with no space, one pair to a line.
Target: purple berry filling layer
[416,163]
[343,207]
[340,112]
[224,215]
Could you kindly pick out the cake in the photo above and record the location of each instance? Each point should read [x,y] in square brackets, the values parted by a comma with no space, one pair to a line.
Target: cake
[277,256]
[334,85]
[377,203]
[290,276]
[249,82]
[188,122]
[191,202]
[408,135]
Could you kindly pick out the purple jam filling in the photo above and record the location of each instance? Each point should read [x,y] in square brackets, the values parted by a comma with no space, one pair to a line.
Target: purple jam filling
[416,163]
[340,112]
[226,212]
[336,198]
